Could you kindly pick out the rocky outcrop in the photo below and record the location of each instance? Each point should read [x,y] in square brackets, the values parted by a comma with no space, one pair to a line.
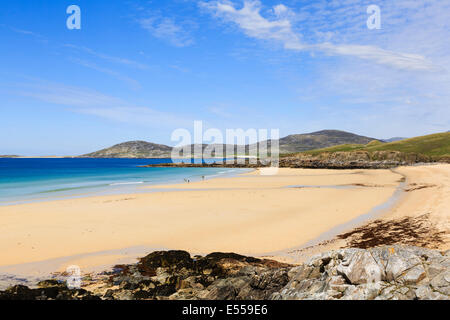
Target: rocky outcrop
[325,160]
[384,273]
[389,272]
[47,290]
[219,164]
[217,276]
[354,160]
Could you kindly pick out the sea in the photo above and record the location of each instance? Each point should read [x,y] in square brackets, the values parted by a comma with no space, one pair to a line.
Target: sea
[25,180]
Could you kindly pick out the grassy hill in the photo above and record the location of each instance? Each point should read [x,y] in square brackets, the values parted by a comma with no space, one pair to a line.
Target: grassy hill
[311,141]
[436,146]
[289,144]
[319,139]
[133,149]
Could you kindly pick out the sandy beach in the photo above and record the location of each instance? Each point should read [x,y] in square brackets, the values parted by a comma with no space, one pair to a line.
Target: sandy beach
[250,214]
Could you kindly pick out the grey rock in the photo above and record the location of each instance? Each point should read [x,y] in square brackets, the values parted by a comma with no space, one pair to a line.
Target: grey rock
[381,273]
[441,283]
[360,267]
[414,275]
[398,264]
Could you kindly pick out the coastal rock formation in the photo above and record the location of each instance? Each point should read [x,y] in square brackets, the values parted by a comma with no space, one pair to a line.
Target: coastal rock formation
[353,160]
[388,272]
[326,160]
[383,273]
[175,275]
[46,290]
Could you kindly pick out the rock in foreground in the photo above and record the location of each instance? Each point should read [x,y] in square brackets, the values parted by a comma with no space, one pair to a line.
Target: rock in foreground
[383,273]
[47,290]
[390,272]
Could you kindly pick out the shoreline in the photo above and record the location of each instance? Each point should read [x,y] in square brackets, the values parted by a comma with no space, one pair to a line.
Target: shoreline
[248,183]
[118,188]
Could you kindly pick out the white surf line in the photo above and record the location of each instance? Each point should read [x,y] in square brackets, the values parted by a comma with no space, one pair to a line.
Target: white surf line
[125,183]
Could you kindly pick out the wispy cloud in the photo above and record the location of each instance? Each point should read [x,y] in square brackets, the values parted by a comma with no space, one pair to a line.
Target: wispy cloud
[404,61]
[86,101]
[33,34]
[220,111]
[278,26]
[167,29]
[55,93]
[137,115]
[377,82]
[30,33]
[118,60]
[117,75]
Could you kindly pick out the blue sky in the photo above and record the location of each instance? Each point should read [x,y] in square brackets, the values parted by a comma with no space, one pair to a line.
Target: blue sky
[137,70]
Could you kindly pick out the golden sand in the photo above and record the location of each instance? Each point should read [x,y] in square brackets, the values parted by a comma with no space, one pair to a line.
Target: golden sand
[249,214]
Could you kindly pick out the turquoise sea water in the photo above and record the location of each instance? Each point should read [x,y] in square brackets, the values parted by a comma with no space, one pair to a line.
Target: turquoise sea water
[25,180]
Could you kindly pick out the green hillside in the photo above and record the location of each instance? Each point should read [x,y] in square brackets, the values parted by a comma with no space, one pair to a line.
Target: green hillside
[434,145]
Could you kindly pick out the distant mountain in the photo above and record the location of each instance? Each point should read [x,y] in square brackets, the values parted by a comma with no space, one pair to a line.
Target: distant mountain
[394,139]
[9,156]
[133,149]
[316,140]
[290,144]
[320,139]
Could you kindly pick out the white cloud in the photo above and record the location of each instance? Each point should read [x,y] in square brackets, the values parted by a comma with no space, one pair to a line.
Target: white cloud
[249,19]
[280,28]
[280,10]
[168,30]
[387,82]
